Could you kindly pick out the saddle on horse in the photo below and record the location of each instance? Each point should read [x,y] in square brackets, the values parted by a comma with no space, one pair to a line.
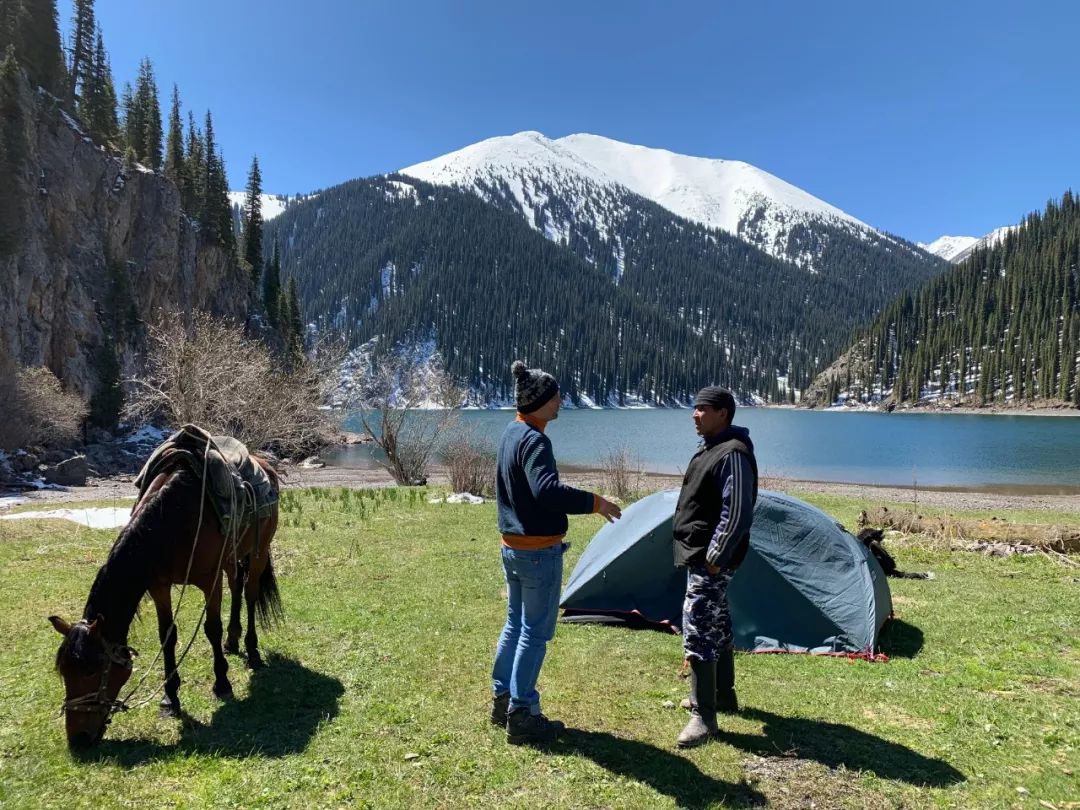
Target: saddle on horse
[239,490]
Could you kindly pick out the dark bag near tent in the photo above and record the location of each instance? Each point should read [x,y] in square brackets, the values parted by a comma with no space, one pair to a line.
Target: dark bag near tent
[806,585]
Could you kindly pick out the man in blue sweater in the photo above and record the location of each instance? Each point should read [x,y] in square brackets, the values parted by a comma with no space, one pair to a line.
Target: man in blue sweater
[533,505]
[712,534]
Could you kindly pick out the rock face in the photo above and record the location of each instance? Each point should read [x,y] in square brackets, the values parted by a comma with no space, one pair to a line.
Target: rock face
[89,229]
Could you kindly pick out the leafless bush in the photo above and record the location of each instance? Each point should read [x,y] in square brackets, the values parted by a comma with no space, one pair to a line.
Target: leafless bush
[407,408]
[470,461]
[209,374]
[621,473]
[36,409]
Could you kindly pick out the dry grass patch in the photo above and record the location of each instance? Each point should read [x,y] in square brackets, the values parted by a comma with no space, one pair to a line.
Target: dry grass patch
[788,781]
[888,715]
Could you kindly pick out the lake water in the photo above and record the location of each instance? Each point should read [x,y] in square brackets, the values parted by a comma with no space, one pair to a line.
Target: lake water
[1040,453]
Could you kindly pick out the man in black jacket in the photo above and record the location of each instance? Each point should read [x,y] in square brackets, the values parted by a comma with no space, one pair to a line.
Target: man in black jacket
[712,535]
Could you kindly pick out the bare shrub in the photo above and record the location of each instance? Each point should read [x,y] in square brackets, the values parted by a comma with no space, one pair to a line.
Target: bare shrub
[36,409]
[209,374]
[621,473]
[407,408]
[470,461]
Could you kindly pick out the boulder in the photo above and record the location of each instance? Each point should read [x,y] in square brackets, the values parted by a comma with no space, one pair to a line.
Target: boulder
[69,473]
[23,462]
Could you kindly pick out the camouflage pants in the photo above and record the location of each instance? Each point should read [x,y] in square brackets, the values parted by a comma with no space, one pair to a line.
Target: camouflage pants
[706,621]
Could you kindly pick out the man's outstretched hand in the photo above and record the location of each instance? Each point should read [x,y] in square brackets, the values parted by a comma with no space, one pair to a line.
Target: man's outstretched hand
[609,511]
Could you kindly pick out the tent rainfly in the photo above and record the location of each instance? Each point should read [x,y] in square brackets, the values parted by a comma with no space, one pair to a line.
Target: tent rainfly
[806,585]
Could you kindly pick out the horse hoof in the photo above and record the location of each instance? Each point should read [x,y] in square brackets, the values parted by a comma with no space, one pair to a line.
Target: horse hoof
[223,692]
[232,647]
[168,709]
[254,660]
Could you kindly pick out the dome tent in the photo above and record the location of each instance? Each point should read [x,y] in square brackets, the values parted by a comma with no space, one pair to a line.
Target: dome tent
[806,585]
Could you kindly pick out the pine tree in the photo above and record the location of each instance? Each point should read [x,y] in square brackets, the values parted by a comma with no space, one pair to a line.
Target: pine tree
[9,16]
[174,149]
[97,107]
[252,222]
[193,193]
[134,122]
[294,327]
[208,215]
[36,35]
[272,286]
[147,98]
[12,153]
[82,45]
[226,234]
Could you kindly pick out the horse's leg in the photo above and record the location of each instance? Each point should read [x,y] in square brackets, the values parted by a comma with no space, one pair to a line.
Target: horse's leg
[162,596]
[236,575]
[212,626]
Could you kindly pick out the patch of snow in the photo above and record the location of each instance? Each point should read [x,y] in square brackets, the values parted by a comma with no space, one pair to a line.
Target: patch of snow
[148,434]
[105,517]
[464,497]
[8,501]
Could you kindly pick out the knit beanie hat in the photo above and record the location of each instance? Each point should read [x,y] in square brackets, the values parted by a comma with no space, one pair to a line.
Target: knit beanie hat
[532,387]
[716,397]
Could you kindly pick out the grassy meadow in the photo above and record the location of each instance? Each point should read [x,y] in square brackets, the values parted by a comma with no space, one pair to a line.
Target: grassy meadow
[377,689]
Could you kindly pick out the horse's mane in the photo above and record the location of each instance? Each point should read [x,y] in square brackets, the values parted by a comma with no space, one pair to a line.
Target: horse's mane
[143,547]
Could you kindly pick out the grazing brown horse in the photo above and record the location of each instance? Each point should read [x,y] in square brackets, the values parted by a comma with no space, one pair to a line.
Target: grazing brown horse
[153,552]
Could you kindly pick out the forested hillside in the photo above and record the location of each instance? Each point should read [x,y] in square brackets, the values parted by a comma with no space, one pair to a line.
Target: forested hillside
[650,308]
[1003,326]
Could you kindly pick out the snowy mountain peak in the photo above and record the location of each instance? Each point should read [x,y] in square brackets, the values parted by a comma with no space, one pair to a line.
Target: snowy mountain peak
[272,204]
[949,247]
[957,248]
[594,176]
[712,191]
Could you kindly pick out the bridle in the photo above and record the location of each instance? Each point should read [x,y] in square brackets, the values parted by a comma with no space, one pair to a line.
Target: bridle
[99,702]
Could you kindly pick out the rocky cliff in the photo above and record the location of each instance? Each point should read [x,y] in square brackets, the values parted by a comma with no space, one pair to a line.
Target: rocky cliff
[94,239]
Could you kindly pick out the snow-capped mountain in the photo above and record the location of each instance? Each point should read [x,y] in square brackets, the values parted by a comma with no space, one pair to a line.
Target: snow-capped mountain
[949,247]
[957,248]
[591,176]
[272,204]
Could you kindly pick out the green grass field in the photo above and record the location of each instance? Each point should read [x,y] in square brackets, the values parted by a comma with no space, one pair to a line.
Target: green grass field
[377,692]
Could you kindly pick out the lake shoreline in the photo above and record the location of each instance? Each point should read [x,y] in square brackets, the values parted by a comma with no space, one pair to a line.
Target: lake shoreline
[120,488]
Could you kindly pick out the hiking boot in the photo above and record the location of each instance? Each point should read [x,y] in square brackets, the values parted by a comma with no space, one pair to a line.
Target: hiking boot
[702,723]
[500,707]
[725,682]
[523,727]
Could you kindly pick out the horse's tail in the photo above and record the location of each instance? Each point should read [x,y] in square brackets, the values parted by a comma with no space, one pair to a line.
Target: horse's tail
[268,605]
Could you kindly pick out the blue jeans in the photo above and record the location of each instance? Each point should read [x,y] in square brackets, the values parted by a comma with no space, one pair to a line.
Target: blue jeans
[533,581]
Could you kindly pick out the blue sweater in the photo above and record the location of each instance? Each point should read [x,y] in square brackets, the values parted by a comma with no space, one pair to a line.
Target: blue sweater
[532,501]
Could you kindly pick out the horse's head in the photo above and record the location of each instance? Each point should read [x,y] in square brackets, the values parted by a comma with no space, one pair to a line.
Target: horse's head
[94,670]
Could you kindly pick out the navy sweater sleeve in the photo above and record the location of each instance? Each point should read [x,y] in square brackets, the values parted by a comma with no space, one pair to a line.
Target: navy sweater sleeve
[543,478]
[735,482]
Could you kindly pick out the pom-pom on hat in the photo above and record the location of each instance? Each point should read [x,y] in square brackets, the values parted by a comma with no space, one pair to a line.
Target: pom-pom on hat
[532,387]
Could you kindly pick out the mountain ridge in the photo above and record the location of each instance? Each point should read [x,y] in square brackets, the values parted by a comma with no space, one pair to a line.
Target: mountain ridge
[731,195]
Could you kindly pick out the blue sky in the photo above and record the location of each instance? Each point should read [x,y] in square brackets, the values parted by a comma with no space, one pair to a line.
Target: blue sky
[921,118]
